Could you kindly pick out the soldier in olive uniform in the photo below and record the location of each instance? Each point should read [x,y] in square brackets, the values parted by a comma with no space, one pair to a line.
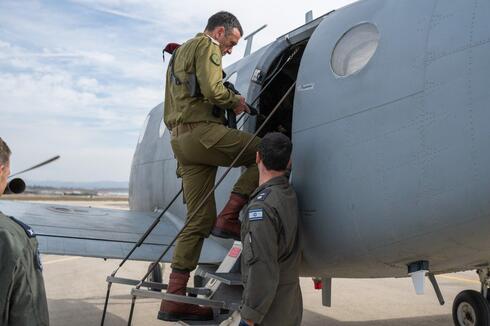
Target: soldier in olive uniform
[201,143]
[271,244]
[22,295]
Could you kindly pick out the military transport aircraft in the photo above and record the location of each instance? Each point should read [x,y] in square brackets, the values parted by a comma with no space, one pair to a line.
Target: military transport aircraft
[390,123]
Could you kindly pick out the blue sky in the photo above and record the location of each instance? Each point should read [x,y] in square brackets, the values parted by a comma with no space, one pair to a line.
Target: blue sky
[78,77]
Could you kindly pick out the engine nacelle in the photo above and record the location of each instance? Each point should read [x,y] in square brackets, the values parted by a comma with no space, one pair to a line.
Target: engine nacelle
[15,186]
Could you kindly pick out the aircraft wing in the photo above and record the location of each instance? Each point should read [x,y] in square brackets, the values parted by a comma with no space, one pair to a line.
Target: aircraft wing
[104,233]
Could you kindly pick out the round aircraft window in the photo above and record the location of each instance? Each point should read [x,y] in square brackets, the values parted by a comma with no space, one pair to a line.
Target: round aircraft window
[162,129]
[354,49]
[143,131]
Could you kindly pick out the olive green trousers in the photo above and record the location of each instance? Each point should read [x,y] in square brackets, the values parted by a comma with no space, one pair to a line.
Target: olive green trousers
[199,152]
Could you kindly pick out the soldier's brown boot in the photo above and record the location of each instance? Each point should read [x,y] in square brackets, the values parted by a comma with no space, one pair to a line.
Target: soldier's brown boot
[175,311]
[227,224]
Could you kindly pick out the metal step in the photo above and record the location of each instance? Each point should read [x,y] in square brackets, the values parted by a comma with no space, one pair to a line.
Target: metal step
[216,322]
[185,299]
[220,320]
[199,323]
[158,286]
[203,269]
[231,279]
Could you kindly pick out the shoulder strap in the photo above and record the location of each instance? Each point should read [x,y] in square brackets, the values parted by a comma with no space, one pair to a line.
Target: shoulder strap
[173,77]
[262,195]
[28,230]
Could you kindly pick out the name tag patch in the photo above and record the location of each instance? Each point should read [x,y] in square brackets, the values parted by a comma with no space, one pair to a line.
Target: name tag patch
[256,214]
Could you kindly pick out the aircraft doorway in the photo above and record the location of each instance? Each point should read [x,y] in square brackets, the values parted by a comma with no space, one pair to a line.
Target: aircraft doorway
[283,118]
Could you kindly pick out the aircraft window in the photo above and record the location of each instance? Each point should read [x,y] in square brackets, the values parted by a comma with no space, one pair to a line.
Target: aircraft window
[354,49]
[161,132]
[232,78]
[143,131]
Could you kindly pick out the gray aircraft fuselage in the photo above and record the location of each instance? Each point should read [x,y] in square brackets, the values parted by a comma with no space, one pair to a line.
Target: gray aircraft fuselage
[391,163]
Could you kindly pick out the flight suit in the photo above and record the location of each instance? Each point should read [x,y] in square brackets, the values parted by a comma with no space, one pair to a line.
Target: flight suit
[200,141]
[22,293]
[271,256]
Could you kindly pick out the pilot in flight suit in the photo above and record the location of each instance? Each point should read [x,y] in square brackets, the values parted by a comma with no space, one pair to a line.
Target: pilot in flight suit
[271,242]
[22,294]
[201,143]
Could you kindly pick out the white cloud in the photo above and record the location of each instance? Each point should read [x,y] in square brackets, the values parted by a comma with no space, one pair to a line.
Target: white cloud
[41,96]
[89,84]
[78,78]
[126,15]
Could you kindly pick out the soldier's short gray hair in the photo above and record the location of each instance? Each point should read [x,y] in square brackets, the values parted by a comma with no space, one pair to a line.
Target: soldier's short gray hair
[4,152]
[225,19]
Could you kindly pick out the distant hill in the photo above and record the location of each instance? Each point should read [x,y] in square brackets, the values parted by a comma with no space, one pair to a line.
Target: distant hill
[79,185]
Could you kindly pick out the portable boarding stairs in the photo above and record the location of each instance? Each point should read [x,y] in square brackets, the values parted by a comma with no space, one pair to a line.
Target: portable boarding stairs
[221,289]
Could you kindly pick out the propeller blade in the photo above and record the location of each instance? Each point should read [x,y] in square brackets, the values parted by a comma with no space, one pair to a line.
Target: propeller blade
[36,166]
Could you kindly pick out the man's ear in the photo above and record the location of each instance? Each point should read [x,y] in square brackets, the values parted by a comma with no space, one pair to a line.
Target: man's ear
[257,158]
[220,31]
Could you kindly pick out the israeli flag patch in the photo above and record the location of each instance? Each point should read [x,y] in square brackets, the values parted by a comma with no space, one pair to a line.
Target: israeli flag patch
[255,214]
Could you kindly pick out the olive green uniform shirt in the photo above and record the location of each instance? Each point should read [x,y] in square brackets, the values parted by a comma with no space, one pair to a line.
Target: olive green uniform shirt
[22,294]
[201,56]
[201,143]
[271,256]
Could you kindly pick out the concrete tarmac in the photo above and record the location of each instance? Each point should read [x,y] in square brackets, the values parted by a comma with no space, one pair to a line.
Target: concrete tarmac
[76,291]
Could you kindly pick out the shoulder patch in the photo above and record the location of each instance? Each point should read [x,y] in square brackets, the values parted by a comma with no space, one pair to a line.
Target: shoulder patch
[215,59]
[29,231]
[255,214]
[263,194]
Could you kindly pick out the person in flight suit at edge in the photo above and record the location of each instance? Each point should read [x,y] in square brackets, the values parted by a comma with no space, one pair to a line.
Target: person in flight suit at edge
[271,242]
[22,294]
[201,142]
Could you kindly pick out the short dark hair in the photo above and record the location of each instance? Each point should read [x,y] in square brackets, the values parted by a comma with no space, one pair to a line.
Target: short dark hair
[225,19]
[4,152]
[275,150]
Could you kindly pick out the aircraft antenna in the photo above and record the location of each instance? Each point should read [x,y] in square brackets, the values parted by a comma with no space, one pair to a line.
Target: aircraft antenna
[249,38]
[308,16]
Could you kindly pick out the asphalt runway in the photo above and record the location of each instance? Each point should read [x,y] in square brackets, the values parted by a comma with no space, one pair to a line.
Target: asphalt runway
[76,291]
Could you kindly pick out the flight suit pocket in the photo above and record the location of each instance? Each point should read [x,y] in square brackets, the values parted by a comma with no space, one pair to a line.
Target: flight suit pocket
[211,133]
[248,250]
